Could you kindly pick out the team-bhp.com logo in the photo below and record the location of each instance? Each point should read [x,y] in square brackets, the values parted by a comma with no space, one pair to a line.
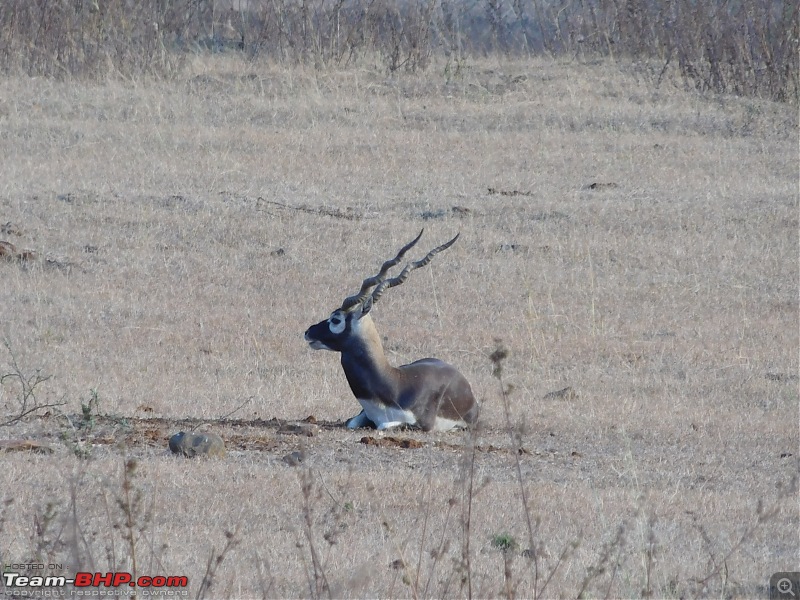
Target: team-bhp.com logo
[16,584]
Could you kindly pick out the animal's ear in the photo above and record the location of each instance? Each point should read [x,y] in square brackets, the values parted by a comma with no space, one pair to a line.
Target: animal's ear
[367,305]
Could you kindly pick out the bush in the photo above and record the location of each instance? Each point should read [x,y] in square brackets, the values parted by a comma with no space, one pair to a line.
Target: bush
[745,48]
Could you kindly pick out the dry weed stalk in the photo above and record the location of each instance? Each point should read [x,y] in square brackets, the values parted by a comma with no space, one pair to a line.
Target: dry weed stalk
[440,550]
[26,398]
[214,562]
[719,567]
[130,504]
[318,582]
[467,517]
[609,555]
[515,434]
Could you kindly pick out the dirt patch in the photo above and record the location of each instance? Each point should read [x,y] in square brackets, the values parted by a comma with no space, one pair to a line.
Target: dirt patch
[391,442]
[25,446]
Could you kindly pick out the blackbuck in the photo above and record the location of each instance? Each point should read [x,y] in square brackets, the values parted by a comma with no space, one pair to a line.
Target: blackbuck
[428,393]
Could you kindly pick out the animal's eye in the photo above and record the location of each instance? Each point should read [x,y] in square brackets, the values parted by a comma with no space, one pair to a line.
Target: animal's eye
[336,324]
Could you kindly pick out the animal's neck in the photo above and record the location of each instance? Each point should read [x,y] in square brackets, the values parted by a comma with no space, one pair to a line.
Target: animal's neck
[365,364]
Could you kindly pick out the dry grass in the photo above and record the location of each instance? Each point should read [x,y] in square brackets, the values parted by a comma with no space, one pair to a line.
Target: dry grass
[187,233]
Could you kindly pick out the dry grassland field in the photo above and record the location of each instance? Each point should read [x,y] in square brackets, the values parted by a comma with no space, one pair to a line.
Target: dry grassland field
[174,239]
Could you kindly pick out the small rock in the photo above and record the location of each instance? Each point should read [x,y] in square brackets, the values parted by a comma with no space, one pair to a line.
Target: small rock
[294,459]
[197,444]
[780,377]
[602,186]
[427,215]
[512,248]
[566,393]
[10,228]
[7,249]
[495,191]
[295,428]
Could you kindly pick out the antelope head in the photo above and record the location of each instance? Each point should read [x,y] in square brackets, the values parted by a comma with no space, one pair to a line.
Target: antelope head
[428,393]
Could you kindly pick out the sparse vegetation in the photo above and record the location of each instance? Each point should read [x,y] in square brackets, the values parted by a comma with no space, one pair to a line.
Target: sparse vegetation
[743,48]
[23,387]
[504,542]
[64,541]
[89,409]
[215,562]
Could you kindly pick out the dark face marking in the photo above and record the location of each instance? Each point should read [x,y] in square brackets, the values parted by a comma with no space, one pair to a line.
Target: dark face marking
[332,333]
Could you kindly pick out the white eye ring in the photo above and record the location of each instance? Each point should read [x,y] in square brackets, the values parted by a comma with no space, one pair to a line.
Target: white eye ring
[336,323]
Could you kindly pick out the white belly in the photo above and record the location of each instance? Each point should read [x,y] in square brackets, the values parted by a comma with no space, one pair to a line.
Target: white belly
[442,424]
[385,417]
